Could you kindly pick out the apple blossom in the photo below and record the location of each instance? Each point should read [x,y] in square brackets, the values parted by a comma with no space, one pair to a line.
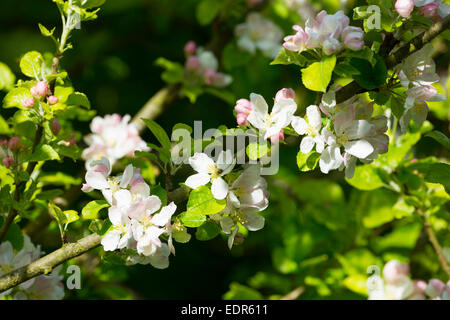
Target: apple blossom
[435,9]
[271,124]
[28,103]
[208,170]
[394,270]
[259,33]
[296,42]
[121,234]
[193,63]
[190,47]
[243,108]
[434,288]
[112,137]
[311,128]
[52,100]
[40,90]
[353,38]
[8,162]
[404,7]
[285,93]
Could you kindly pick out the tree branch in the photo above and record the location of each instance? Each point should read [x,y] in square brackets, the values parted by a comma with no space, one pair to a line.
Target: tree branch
[45,264]
[392,59]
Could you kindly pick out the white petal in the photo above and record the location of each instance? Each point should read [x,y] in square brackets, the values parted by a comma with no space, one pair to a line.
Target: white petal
[299,125]
[226,224]
[331,159]
[219,188]
[283,112]
[96,180]
[111,240]
[359,129]
[314,116]
[254,222]
[160,259]
[163,217]
[359,148]
[200,162]
[107,193]
[115,215]
[140,188]
[122,198]
[197,180]
[152,204]
[127,176]
[259,111]
[307,144]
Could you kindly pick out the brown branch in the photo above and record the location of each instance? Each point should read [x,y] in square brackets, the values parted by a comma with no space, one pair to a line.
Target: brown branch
[392,59]
[436,245]
[45,264]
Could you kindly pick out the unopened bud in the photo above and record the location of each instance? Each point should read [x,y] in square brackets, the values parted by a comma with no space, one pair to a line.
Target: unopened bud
[8,161]
[53,100]
[14,143]
[189,48]
[28,103]
[40,90]
[394,271]
[285,93]
[55,126]
[241,119]
[193,63]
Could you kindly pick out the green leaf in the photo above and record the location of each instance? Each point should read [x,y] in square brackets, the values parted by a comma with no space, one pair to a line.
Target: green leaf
[78,99]
[44,31]
[16,98]
[174,72]
[307,162]
[90,211]
[202,201]
[370,77]
[159,133]
[4,127]
[286,57]
[434,173]
[71,216]
[207,231]
[161,193]
[14,235]
[7,78]
[207,10]
[365,178]
[240,292]
[255,150]
[44,152]
[439,137]
[57,213]
[191,220]
[31,64]
[317,76]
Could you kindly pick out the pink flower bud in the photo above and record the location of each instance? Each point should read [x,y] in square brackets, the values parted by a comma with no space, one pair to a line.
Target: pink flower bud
[434,288]
[14,143]
[243,106]
[330,46]
[55,126]
[209,76]
[419,287]
[8,161]
[285,93]
[297,42]
[241,119]
[52,100]
[394,271]
[193,63]
[277,137]
[86,188]
[40,90]
[28,103]
[3,142]
[404,7]
[430,10]
[353,38]
[190,47]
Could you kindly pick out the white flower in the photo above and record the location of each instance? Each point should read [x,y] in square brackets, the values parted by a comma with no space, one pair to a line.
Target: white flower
[311,128]
[259,33]
[208,170]
[271,123]
[112,137]
[325,27]
[418,69]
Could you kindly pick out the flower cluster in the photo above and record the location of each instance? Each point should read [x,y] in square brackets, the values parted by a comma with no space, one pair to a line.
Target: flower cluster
[259,33]
[397,285]
[245,195]
[112,137]
[44,287]
[9,149]
[138,218]
[202,64]
[351,133]
[434,9]
[255,112]
[329,32]
[417,73]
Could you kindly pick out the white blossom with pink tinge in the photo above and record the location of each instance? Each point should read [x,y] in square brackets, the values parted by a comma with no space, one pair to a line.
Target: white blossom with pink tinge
[112,137]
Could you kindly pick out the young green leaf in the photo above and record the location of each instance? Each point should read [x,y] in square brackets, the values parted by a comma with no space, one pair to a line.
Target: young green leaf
[159,133]
[317,76]
[202,201]
[90,211]
[31,64]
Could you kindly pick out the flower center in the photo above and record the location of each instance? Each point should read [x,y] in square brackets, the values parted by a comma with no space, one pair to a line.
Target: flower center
[242,218]
[342,139]
[213,171]
[311,131]
[6,268]
[113,184]
[268,120]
